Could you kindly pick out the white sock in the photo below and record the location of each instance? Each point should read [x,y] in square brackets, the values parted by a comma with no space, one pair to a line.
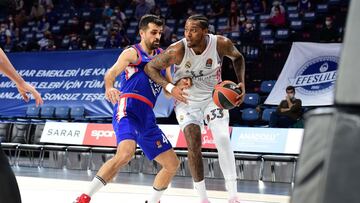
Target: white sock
[231,186]
[156,195]
[201,189]
[96,184]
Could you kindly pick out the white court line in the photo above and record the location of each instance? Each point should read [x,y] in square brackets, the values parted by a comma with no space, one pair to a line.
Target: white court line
[45,190]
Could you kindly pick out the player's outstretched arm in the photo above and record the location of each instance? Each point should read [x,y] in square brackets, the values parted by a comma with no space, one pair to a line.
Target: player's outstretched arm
[228,49]
[23,87]
[126,57]
[172,55]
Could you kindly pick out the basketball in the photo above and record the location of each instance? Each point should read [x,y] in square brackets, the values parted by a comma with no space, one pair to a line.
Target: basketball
[225,93]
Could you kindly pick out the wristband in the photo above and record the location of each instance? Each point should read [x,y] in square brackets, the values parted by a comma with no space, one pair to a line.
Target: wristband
[169,87]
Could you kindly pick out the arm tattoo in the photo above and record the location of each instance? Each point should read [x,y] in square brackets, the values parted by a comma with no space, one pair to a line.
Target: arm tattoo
[160,62]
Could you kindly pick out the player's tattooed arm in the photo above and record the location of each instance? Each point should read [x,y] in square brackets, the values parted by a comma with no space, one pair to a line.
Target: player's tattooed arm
[172,55]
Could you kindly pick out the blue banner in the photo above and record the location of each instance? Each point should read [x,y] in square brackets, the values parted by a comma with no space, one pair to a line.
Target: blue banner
[70,79]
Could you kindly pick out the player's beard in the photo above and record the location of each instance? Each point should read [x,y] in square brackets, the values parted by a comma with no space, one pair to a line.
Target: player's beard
[153,45]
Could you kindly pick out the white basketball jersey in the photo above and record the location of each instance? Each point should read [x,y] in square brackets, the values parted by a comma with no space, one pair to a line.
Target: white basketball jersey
[204,70]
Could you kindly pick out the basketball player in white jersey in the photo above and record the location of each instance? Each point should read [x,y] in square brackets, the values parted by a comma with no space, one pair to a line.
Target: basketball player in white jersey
[198,56]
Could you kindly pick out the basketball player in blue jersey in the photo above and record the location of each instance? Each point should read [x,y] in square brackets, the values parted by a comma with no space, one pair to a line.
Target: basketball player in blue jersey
[199,56]
[9,192]
[134,120]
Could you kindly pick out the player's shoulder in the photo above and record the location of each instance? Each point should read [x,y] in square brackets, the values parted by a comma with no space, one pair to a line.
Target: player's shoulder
[222,40]
[130,53]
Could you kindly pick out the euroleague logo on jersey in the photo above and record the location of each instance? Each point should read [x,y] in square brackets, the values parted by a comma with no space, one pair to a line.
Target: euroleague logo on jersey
[316,76]
[208,63]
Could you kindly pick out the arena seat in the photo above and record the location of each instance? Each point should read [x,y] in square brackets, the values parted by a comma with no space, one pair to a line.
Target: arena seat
[251,100]
[47,112]
[33,112]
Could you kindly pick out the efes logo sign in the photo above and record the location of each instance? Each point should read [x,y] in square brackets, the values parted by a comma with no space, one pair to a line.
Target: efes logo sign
[316,76]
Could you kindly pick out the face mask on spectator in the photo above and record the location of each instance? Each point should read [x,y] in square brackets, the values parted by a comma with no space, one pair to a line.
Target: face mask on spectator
[86,27]
[242,19]
[2,29]
[248,25]
[117,11]
[291,96]
[328,22]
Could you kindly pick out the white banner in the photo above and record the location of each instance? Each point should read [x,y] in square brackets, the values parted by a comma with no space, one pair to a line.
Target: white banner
[311,68]
[64,133]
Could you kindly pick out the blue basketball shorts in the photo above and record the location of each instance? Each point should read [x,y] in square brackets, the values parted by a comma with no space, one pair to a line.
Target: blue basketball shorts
[135,120]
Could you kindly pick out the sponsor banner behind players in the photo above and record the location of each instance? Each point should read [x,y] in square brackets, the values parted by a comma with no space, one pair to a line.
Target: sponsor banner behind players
[64,133]
[243,139]
[311,68]
[267,140]
[65,78]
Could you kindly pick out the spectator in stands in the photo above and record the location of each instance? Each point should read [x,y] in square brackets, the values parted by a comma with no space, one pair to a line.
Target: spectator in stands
[51,16]
[47,43]
[85,45]
[217,9]
[43,25]
[233,17]
[19,5]
[5,35]
[9,192]
[329,33]
[120,15]
[108,11]
[248,34]
[46,3]
[21,18]
[37,11]
[276,6]
[304,6]
[142,8]
[288,112]
[88,34]
[166,36]
[278,19]
[74,42]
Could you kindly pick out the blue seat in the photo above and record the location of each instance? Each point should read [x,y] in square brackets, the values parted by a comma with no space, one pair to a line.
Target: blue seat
[296,24]
[322,8]
[267,85]
[33,112]
[266,34]
[249,115]
[266,114]
[282,34]
[62,112]
[293,16]
[47,112]
[309,16]
[251,100]
[77,112]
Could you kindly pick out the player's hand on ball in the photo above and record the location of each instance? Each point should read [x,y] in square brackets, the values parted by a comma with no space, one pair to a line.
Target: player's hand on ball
[112,95]
[179,94]
[240,98]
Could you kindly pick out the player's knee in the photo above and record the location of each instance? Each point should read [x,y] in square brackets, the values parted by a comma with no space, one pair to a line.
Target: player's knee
[172,166]
[123,157]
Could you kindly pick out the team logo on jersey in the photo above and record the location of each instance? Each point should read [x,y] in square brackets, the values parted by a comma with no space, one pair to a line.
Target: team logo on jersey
[158,144]
[187,64]
[316,76]
[208,63]
[181,118]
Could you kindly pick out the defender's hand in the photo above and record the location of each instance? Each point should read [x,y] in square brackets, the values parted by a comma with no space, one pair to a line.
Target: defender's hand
[112,95]
[25,88]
